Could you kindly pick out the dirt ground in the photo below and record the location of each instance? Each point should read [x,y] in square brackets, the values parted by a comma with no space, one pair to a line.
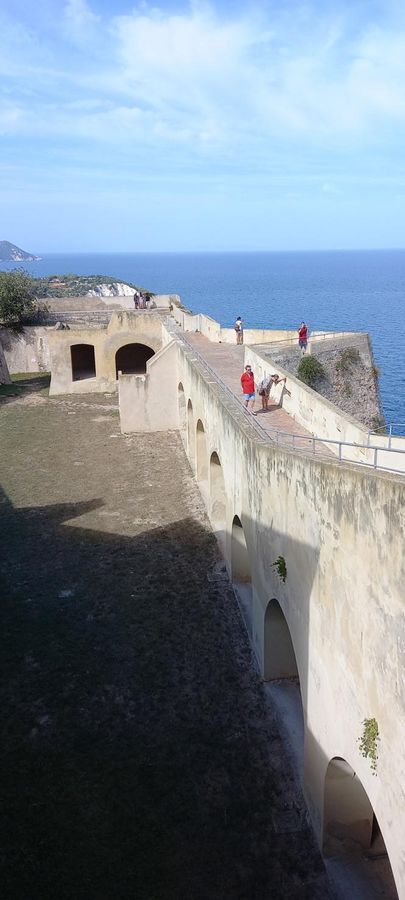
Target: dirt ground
[139,758]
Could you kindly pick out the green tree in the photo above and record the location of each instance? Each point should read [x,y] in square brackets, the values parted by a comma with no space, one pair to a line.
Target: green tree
[17,303]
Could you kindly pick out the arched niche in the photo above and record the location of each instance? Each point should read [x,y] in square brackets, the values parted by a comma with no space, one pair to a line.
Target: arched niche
[279,655]
[181,400]
[241,571]
[351,834]
[190,434]
[83,361]
[280,672]
[131,359]
[201,453]
[217,493]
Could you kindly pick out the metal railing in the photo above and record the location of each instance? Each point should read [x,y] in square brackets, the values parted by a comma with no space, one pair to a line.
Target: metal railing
[312,445]
[388,432]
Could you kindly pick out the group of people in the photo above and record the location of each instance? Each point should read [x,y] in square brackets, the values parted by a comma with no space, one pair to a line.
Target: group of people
[248,378]
[302,334]
[141,300]
[249,388]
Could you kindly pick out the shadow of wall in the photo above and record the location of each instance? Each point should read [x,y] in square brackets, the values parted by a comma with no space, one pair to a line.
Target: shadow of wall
[138,757]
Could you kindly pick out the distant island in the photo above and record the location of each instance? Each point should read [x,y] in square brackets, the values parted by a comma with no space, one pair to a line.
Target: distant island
[12,253]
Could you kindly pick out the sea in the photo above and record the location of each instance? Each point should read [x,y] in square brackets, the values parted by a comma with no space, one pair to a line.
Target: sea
[339,290]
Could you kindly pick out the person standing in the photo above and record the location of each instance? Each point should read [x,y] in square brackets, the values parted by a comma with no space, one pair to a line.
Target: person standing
[265,388]
[248,388]
[303,337]
[239,330]
[136,300]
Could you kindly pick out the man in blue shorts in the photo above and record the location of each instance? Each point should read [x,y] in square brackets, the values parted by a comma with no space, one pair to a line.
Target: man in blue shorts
[248,388]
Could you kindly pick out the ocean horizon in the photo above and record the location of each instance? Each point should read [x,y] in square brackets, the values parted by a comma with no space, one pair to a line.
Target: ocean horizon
[349,290]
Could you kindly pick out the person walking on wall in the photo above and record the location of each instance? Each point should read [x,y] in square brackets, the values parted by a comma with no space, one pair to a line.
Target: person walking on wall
[248,388]
[136,300]
[303,337]
[238,326]
[265,388]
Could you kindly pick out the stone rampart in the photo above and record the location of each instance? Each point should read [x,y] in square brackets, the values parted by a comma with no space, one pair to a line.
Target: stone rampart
[339,530]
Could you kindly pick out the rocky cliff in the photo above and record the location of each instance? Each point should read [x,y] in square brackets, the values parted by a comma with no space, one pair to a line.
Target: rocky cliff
[12,253]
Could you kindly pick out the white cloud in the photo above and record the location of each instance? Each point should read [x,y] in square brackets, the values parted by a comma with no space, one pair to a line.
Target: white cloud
[78,17]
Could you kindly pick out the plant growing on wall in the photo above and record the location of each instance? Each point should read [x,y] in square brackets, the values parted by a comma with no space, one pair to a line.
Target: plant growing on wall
[348,357]
[281,567]
[310,370]
[368,742]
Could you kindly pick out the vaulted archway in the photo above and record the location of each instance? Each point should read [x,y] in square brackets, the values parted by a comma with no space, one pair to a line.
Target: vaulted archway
[217,493]
[83,361]
[280,671]
[351,834]
[190,434]
[131,359]
[241,571]
[201,453]
[181,399]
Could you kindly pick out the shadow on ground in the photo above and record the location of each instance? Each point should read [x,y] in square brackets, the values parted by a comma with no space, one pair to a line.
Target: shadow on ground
[138,757]
[24,385]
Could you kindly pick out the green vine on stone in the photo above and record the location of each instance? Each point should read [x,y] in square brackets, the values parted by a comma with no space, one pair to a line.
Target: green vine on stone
[368,742]
[281,567]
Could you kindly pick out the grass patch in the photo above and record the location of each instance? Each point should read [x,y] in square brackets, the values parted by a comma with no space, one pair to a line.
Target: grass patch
[25,383]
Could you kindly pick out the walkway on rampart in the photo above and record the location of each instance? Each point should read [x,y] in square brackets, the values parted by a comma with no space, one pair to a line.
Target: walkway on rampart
[139,755]
[227,361]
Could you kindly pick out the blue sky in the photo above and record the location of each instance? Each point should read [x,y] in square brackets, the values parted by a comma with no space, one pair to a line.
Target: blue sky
[202,126]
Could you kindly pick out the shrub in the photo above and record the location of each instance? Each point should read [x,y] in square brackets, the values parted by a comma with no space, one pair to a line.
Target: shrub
[348,358]
[310,370]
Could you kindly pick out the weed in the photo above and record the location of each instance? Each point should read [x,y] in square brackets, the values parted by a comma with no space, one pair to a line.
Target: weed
[281,567]
[368,742]
[348,357]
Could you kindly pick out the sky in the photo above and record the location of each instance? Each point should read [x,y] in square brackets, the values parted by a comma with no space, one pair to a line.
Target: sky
[202,125]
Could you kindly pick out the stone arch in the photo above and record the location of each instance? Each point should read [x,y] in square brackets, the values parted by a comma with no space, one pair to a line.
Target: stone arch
[217,493]
[278,653]
[83,361]
[201,452]
[281,674]
[350,828]
[131,359]
[241,571]
[190,434]
[181,399]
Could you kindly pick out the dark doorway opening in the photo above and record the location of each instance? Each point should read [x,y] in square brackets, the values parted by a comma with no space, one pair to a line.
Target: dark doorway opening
[83,361]
[131,359]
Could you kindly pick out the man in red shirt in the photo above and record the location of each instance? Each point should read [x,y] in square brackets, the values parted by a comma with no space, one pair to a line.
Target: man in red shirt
[248,388]
[303,337]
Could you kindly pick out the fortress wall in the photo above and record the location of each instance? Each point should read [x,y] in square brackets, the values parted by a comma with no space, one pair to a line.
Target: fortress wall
[4,373]
[340,530]
[149,402]
[26,351]
[123,328]
[323,419]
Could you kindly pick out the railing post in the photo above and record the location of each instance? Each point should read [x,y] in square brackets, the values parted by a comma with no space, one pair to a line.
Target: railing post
[375,457]
[389,438]
[340,451]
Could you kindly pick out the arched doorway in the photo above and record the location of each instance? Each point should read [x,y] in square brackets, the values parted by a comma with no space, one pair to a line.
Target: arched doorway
[280,671]
[83,361]
[181,399]
[131,359]
[352,837]
[279,655]
[217,493]
[241,572]
[201,453]
[190,434]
